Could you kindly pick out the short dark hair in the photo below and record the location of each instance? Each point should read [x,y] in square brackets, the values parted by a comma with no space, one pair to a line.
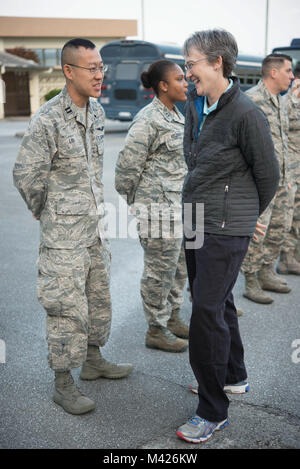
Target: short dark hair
[213,44]
[273,61]
[297,70]
[74,44]
[156,72]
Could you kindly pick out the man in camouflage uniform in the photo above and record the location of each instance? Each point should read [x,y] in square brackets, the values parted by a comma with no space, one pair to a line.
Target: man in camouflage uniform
[290,253]
[258,265]
[58,173]
[149,175]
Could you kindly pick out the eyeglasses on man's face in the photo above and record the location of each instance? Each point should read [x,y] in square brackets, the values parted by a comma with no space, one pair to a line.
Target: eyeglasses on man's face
[92,70]
[189,65]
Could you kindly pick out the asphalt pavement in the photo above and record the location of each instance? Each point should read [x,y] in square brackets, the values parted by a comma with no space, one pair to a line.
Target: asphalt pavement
[144,410]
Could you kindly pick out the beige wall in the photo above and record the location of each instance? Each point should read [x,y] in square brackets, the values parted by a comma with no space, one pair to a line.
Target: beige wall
[49,81]
[46,43]
[40,84]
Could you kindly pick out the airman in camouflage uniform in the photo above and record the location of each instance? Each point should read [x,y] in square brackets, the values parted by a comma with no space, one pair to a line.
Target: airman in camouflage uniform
[258,265]
[149,174]
[58,172]
[290,253]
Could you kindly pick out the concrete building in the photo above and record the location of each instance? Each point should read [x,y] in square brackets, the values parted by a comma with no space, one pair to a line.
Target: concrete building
[45,36]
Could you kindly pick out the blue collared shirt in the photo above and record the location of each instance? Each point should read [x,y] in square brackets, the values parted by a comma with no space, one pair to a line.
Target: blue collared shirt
[203,109]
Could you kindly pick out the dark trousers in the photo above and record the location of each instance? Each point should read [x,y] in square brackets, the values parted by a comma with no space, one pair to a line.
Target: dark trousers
[215,346]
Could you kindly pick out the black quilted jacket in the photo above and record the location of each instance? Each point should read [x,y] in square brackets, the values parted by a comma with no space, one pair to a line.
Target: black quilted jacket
[232,167]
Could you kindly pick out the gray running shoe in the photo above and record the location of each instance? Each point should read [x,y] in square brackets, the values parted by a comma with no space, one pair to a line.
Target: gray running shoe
[198,430]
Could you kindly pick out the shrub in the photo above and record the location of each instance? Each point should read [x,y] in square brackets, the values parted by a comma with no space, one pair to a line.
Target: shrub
[51,94]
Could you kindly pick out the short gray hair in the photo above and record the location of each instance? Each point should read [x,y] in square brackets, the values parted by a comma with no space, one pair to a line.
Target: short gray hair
[214,43]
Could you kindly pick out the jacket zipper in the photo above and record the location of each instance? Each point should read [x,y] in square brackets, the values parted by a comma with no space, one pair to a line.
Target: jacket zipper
[225,205]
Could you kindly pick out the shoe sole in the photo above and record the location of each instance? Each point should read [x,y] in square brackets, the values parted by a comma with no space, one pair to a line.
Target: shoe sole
[183,349]
[238,390]
[287,290]
[193,389]
[181,336]
[92,377]
[287,272]
[263,302]
[220,426]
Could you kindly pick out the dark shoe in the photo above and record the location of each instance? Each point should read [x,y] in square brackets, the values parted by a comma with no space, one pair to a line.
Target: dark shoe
[177,326]
[254,292]
[69,397]
[161,338]
[96,367]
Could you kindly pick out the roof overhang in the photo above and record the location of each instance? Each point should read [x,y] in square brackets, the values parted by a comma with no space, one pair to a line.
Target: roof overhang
[14,62]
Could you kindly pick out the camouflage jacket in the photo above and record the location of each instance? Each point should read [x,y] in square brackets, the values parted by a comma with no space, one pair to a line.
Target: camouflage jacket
[276,113]
[59,173]
[293,109]
[151,166]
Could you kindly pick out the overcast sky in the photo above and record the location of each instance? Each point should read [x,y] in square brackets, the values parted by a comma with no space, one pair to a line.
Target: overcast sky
[174,20]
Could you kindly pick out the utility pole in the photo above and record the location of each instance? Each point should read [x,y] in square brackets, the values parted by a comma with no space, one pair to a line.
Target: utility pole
[143,19]
[267,27]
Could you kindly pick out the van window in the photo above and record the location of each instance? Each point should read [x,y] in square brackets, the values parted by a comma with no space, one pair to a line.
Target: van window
[111,51]
[127,71]
[129,51]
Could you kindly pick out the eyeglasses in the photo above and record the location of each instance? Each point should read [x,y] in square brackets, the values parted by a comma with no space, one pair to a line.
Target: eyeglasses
[93,70]
[189,65]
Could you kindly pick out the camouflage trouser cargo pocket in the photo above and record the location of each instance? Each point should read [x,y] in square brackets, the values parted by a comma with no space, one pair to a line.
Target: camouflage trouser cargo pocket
[293,234]
[50,300]
[152,281]
[163,278]
[58,287]
[152,290]
[73,288]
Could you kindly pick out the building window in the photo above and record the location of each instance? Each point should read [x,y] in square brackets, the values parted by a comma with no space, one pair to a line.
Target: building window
[48,57]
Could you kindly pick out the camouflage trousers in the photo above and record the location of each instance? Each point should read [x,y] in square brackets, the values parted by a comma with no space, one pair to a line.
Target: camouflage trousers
[278,219]
[73,288]
[293,236]
[163,279]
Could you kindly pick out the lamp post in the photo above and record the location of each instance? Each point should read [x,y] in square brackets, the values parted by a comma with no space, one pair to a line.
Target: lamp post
[267,27]
[143,20]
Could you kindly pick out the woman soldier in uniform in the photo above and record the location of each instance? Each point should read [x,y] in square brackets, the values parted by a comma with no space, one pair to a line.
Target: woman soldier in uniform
[149,174]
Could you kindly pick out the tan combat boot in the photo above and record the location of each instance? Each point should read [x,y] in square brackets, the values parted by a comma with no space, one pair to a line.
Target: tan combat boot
[269,281]
[287,264]
[69,397]
[161,338]
[177,326]
[253,290]
[96,366]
